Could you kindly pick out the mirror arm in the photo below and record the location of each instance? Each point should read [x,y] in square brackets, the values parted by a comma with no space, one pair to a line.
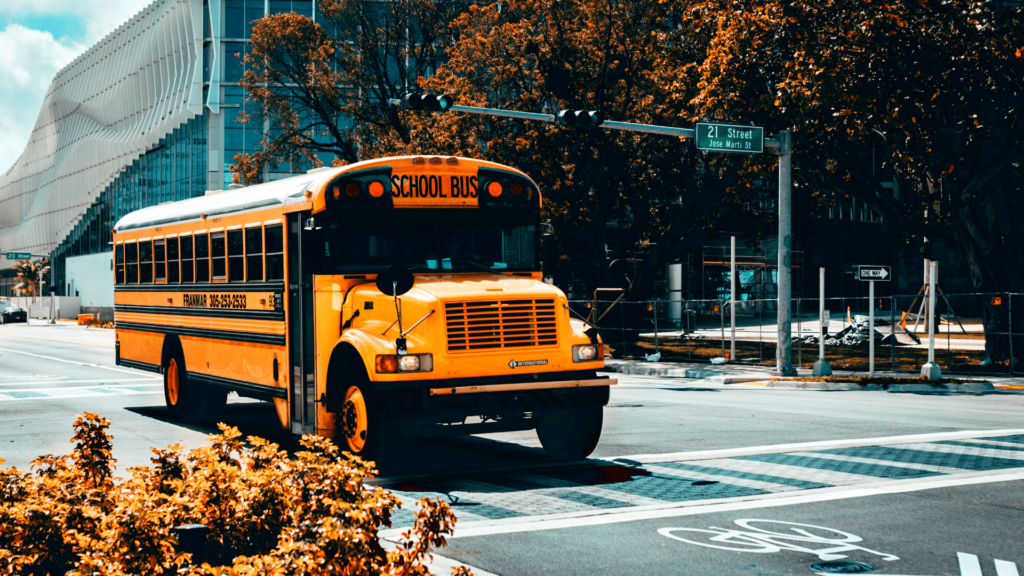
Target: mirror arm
[413,327]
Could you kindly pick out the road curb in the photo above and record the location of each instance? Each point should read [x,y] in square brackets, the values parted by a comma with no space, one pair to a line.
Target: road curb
[653,369]
[853,386]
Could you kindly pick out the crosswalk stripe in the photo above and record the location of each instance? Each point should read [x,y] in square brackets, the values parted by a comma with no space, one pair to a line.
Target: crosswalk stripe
[844,458]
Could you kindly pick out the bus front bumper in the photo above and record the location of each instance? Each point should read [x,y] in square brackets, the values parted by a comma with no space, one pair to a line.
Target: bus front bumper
[517,387]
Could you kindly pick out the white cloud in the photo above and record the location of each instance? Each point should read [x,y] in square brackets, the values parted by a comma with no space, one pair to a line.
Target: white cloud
[28,61]
[98,17]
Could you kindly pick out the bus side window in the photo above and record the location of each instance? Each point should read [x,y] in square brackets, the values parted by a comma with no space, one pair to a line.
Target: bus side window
[131,257]
[119,264]
[202,257]
[159,261]
[236,257]
[172,261]
[275,252]
[146,262]
[217,256]
[254,254]
[187,262]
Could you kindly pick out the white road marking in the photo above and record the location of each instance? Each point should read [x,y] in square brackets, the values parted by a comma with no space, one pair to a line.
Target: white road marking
[1004,568]
[58,381]
[982,451]
[626,498]
[813,446]
[696,507]
[760,541]
[969,564]
[83,392]
[70,361]
[844,458]
[996,443]
[820,476]
[755,484]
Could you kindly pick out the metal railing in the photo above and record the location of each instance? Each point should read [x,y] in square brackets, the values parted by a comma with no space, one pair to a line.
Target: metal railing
[975,333]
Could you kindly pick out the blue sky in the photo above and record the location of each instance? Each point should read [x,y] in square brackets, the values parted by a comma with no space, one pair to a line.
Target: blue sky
[37,39]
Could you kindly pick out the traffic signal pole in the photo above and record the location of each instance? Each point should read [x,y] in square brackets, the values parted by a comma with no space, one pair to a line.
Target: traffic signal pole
[780,144]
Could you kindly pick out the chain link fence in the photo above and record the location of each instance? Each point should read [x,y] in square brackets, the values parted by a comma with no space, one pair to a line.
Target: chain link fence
[974,333]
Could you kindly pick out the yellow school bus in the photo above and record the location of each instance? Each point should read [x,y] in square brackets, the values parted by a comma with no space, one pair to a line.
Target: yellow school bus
[389,299]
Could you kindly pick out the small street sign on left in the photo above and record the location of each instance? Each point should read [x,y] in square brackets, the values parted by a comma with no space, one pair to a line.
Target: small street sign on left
[19,255]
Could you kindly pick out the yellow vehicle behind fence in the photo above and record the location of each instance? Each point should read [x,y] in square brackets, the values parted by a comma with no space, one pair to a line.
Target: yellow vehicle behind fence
[393,298]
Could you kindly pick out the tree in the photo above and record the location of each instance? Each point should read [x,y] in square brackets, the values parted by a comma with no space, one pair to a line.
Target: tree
[926,90]
[324,89]
[29,276]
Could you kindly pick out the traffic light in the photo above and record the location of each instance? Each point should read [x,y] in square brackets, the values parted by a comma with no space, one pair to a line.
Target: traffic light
[579,118]
[428,102]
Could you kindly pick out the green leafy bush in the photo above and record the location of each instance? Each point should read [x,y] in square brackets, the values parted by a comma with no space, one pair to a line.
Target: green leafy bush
[267,513]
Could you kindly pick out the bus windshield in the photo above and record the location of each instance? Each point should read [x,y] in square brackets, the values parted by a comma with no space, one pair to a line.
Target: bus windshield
[443,240]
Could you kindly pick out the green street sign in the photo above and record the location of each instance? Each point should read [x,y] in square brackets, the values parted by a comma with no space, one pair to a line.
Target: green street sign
[714,137]
[19,255]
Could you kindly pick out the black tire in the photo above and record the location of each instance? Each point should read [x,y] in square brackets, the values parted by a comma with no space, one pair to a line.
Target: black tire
[180,394]
[571,434]
[360,426]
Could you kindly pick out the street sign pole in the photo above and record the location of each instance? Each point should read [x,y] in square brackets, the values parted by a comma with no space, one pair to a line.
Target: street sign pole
[821,367]
[931,370]
[732,299]
[871,328]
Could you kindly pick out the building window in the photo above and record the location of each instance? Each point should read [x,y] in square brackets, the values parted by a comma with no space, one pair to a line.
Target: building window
[234,53]
[217,254]
[119,264]
[159,261]
[254,254]
[202,258]
[236,257]
[275,252]
[145,262]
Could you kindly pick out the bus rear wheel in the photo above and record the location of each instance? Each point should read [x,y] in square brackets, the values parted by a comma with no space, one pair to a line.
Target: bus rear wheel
[187,400]
[362,430]
[571,434]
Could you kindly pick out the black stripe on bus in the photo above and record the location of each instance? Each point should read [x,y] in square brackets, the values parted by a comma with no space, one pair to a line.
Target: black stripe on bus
[139,365]
[275,339]
[204,312]
[205,287]
[240,386]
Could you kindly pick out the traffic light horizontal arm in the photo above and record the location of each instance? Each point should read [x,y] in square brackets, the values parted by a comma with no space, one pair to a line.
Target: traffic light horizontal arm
[650,129]
[505,113]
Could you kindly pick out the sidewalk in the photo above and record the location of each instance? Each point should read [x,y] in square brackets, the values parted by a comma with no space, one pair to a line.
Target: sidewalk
[761,376]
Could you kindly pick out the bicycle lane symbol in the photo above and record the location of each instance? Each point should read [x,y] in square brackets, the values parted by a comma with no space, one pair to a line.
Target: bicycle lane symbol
[799,538]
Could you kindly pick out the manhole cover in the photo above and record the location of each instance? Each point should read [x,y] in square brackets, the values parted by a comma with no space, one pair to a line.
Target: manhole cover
[625,405]
[842,567]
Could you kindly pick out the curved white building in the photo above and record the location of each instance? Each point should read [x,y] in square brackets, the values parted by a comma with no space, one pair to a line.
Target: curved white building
[145,116]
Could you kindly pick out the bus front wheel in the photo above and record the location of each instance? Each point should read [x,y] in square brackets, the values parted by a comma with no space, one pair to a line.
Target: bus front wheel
[362,430]
[571,434]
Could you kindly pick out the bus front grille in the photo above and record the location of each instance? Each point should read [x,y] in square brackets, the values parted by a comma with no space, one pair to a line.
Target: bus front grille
[500,324]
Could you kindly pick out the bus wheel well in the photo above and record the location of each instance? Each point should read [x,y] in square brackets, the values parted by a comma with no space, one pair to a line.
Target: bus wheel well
[344,365]
[171,345]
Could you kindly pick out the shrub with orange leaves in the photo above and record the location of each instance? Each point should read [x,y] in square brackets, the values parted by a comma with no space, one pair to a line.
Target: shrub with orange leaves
[267,513]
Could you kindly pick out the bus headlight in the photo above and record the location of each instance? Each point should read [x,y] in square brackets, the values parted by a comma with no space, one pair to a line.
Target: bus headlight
[584,353]
[392,363]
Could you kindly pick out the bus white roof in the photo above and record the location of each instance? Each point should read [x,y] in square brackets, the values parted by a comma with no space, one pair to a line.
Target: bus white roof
[277,193]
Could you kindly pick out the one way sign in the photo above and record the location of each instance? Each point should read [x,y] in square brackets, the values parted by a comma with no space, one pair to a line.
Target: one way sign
[873,273]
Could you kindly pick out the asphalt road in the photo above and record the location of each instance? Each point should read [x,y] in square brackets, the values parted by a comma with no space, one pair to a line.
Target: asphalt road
[675,454]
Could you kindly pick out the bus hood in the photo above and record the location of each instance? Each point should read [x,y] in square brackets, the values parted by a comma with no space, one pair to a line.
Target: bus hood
[458,286]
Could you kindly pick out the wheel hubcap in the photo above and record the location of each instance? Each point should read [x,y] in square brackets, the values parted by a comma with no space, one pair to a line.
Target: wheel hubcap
[172,383]
[354,419]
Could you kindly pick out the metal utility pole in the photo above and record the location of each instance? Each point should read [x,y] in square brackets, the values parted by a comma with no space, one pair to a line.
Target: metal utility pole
[931,370]
[821,367]
[732,299]
[783,361]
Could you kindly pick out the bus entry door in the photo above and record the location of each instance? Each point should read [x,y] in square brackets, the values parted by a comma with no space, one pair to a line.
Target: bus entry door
[300,328]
